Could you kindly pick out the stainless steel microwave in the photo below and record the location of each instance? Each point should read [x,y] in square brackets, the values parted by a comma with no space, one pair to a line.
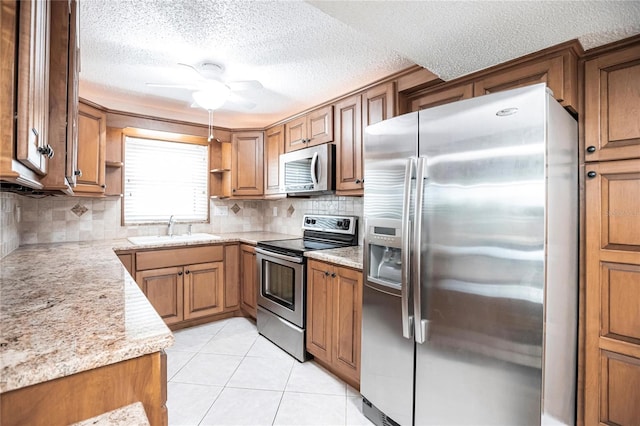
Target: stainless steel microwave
[308,171]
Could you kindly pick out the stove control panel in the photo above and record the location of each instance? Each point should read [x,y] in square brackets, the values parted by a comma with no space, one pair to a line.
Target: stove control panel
[329,223]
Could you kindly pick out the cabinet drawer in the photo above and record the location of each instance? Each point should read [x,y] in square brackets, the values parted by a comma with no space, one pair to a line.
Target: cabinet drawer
[178,256]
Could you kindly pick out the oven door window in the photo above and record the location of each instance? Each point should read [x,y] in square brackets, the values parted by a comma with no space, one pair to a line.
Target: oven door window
[279,284]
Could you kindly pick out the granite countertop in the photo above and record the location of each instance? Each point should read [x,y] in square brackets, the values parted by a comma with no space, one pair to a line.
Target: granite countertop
[344,256]
[131,415]
[231,237]
[70,307]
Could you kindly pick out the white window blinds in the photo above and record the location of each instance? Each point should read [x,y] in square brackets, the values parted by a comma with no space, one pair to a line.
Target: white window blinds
[165,178]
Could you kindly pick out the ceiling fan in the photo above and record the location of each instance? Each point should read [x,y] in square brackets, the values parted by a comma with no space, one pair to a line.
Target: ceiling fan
[210,92]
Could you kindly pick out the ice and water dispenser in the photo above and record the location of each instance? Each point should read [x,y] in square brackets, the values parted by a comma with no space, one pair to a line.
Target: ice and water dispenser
[384,252]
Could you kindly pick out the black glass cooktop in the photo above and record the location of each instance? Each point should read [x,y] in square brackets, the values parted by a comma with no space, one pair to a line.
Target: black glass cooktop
[298,246]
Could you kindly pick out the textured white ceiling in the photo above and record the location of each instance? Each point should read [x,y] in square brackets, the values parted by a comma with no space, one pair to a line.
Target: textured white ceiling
[454,38]
[305,53]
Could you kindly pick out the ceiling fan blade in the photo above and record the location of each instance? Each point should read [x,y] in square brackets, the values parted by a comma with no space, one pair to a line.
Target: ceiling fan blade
[244,85]
[241,102]
[192,68]
[174,86]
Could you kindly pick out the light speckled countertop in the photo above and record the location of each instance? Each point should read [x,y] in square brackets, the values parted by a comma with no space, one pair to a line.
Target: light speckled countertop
[130,415]
[70,307]
[345,256]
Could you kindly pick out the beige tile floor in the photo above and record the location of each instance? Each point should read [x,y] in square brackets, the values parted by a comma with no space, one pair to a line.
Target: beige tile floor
[224,373]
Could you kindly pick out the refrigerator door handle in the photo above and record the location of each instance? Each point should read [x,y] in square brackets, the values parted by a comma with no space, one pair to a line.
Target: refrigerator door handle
[416,273]
[407,319]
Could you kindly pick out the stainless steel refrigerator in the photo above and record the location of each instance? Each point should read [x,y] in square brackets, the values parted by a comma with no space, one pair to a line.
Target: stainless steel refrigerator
[471,242]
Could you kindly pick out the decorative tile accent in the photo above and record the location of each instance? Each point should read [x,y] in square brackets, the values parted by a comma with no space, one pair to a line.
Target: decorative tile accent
[79,209]
[235,208]
[290,210]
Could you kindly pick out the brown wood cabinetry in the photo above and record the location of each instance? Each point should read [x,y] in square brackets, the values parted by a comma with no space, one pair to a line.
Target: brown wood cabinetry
[231,277]
[248,279]
[187,283]
[612,353]
[63,100]
[441,97]
[348,122]
[334,316]
[113,162]
[247,162]
[93,392]
[220,164]
[314,128]
[92,140]
[612,105]
[352,116]
[556,66]
[32,146]
[273,147]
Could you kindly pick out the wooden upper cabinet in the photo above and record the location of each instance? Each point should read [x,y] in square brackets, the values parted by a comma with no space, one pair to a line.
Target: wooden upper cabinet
[247,163]
[73,90]
[558,70]
[62,110]
[274,146]
[348,127]
[612,105]
[92,142]
[378,104]
[32,148]
[203,289]
[314,128]
[612,314]
[441,97]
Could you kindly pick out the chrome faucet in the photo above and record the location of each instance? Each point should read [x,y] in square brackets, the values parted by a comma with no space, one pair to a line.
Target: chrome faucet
[172,220]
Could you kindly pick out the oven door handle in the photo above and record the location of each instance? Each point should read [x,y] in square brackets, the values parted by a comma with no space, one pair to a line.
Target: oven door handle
[279,256]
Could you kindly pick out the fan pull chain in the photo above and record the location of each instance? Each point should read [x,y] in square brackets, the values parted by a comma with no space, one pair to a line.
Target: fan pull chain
[210,138]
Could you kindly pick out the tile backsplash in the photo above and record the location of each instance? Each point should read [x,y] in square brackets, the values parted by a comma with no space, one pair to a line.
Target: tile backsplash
[10,210]
[61,219]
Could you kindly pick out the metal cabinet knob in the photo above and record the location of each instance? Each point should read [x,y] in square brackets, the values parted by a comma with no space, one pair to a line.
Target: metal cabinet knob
[591,174]
[358,181]
[77,173]
[326,273]
[333,275]
[591,149]
[103,186]
[188,272]
[180,273]
[46,150]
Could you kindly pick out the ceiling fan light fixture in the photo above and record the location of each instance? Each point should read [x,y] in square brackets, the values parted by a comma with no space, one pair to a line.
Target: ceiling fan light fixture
[213,97]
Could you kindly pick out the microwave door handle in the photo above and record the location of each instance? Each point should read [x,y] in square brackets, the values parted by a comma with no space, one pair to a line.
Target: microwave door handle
[314,162]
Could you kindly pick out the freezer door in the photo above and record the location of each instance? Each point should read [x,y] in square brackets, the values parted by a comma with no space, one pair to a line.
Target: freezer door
[482,254]
[388,356]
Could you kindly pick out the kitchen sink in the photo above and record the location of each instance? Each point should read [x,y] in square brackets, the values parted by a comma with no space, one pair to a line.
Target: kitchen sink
[166,239]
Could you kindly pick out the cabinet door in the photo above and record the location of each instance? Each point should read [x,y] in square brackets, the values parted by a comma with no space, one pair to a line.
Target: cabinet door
[33,85]
[348,120]
[73,91]
[378,104]
[295,134]
[320,126]
[612,105]
[274,146]
[441,97]
[247,163]
[231,277]
[319,319]
[558,72]
[164,289]
[248,278]
[347,321]
[612,314]
[203,289]
[92,142]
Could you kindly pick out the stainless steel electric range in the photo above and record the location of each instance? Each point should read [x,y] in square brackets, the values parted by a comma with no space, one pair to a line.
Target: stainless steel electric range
[282,277]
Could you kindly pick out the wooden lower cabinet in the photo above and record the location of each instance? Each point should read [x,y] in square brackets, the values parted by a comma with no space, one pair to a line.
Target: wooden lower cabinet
[612,317]
[180,291]
[334,318]
[203,290]
[164,288]
[248,279]
[90,393]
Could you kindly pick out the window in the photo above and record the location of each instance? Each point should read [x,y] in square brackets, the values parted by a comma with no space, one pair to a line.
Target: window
[164,178]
